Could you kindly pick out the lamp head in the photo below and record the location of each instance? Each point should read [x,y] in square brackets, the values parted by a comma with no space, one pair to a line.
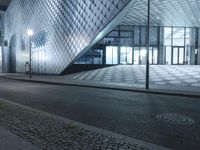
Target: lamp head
[30,32]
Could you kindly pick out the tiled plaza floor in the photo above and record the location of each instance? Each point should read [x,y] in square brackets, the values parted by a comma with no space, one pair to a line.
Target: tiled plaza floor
[176,75]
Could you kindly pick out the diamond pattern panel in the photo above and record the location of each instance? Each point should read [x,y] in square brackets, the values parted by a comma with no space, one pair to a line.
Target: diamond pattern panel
[69,26]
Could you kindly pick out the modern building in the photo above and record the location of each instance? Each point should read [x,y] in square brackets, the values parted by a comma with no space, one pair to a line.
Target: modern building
[99,32]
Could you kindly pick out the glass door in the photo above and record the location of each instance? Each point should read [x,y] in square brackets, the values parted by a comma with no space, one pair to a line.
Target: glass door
[136,55]
[181,55]
[153,55]
[175,56]
[123,56]
[126,55]
[111,55]
[178,55]
[143,52]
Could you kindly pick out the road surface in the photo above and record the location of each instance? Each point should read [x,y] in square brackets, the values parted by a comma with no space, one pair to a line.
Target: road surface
[128,113]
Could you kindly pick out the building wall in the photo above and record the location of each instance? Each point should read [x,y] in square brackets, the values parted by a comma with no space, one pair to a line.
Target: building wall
[62,29]
[1,37]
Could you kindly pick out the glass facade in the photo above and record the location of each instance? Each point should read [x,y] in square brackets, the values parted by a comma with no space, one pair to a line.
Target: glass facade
[168,46]
[93,56]
[179,45]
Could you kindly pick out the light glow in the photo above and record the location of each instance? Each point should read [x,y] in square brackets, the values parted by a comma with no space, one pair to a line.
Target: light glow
[30,32]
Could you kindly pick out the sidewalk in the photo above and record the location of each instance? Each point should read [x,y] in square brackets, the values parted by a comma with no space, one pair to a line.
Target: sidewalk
[49,131]
[9,141]
[61,80]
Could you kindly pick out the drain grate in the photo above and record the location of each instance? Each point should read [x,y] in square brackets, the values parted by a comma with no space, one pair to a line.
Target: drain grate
[175,119]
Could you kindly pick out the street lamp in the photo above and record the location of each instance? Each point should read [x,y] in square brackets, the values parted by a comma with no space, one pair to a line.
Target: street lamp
[30,34]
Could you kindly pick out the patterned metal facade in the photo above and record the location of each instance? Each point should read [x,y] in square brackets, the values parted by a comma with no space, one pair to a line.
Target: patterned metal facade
[62,29]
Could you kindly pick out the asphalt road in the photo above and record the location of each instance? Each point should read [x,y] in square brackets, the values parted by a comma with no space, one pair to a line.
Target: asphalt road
[128,113]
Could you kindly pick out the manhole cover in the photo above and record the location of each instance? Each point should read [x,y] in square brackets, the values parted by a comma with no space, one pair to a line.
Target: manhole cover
[175,119]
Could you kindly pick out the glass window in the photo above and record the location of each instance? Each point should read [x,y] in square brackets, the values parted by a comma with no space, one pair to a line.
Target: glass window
[188,54]
[126,41]
[136,36]
[113,33]
[168,55]
[127,28]
[136,55]
[151,55]
[143,36]
[190,36]
[97,56]
[167,36]
[123,55]
[178,36]
[181,55]
[154,35]
[143,55]
[126,34]
[178,42]
[129,55]
[88,56]
[115,55]
[155,56]
[161,32]
[111,41]
[126,55]
[111,55]
[175,55]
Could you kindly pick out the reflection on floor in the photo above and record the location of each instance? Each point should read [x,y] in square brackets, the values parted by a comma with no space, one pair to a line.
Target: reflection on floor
[176,75]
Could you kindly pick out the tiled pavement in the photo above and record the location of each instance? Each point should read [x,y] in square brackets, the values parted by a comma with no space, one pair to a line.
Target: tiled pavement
[176,78]
[177,75]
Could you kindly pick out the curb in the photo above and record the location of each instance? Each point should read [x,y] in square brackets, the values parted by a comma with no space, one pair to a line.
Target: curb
[91,128]
[111,87]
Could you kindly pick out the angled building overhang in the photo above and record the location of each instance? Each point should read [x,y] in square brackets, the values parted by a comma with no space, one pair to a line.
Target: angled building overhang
[113,24]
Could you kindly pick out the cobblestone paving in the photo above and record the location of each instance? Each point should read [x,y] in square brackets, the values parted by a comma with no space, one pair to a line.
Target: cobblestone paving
[50,133]
[176,75]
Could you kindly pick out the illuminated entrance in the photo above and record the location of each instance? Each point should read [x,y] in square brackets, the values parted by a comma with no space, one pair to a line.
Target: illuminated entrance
[112,55]
[126,45]
[126,56]
[130,55]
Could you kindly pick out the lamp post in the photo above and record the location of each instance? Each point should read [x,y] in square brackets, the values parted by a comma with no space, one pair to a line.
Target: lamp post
[148,47]
[30,33]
